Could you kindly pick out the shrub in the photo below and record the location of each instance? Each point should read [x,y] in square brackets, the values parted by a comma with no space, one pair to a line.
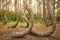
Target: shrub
[37,17]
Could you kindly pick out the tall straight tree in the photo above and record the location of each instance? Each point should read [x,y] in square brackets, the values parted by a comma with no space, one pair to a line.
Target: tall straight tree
[44,13]
[38,6]
[58,7]
[53,5]
[39,9]
[0,8]
[6,13]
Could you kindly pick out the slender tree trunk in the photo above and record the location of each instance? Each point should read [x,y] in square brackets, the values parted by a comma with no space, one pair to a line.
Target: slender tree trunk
[39,10]
[38,6]
[0,5]
[0,8]
[54,6]
[44,14]
[30,3]
[24,17]
[16,10]
[7,13]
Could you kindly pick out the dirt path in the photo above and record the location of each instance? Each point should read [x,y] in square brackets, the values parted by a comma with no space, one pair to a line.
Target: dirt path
[4,33]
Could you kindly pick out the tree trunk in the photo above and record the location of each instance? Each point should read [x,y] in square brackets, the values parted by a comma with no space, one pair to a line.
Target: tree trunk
[26,20]
[0,5]
[54,6]
[39,10]
[53,25]
[24,16]
[28,30]
[16,10]
[6,14]
[44,14]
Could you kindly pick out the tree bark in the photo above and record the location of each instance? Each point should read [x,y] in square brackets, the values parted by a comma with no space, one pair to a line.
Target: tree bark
[0,5]
[44,14]
[7,13]
[16,10]
[28,30]
[26,20]
[54,6]
[53,25]
[24,16]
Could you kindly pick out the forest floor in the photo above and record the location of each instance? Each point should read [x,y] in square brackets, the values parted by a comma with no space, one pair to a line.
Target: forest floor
[4,32]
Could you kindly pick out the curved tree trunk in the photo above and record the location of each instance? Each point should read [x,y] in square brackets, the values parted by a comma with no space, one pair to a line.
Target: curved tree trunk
[20,34]
[6,18]
[24,17]
[53,25]
[17,20]
[16,10]
[16,23]
[51,14]
[26,20]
